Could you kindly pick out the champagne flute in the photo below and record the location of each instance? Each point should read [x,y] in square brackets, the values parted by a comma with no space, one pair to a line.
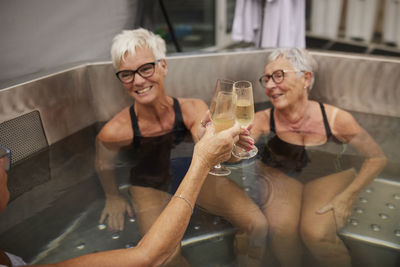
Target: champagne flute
[244,114]
[223,117]
[222,85]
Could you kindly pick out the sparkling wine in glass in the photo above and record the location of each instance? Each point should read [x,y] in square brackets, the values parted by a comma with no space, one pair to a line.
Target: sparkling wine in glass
[223,117]
[223,85]
[244,114]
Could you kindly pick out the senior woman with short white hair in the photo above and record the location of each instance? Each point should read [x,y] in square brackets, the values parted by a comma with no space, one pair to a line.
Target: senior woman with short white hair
[310,197]
[145,134]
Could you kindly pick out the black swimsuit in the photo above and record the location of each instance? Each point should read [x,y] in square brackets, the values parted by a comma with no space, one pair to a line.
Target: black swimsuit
[293,159]
[178,130]
[152,154]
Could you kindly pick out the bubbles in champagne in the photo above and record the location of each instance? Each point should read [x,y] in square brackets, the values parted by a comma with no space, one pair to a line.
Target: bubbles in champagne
[244,112]
[223,121]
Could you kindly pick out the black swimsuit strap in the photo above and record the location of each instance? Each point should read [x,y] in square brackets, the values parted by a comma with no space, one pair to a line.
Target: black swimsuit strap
[135,126]
[272,121]
[178,115]
[326,124]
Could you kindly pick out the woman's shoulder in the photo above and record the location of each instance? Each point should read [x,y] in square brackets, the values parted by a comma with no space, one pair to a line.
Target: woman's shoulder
[193,110]
[261,122]
[341,121]
[262,114]
[118,128]
[192,105]
[336,114]
[191,101]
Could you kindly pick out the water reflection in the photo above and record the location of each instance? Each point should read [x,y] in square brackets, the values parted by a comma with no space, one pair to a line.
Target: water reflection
[81,197]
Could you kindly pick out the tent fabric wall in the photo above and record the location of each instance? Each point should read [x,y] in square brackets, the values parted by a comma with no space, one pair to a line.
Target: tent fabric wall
[39,35]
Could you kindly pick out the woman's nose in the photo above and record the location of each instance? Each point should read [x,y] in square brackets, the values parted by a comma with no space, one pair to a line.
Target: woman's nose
[138,80]
[270,84]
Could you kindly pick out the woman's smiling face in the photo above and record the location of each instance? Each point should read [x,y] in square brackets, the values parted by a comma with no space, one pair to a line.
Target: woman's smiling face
[144,90]
[290,90]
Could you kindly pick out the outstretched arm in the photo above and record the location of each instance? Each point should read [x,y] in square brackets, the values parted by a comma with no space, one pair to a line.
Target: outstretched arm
[167,231]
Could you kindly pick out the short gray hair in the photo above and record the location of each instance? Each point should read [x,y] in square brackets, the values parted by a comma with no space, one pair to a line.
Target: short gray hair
[300,59]
[128,40]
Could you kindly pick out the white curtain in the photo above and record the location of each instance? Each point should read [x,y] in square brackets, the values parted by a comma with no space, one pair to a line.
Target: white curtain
[280,24]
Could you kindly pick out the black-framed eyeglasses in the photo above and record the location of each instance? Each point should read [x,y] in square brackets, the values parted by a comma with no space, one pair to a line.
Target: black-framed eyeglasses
[277,76]
[145,71]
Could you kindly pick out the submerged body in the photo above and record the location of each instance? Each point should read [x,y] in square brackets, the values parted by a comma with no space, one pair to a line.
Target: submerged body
[158,117]
[305,207]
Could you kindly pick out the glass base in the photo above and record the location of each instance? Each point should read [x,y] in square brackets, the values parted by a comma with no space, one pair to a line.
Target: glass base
[219,170]
[243,154]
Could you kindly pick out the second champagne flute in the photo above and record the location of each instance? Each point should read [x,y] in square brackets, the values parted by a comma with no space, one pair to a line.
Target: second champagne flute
[223,117]
[244,114]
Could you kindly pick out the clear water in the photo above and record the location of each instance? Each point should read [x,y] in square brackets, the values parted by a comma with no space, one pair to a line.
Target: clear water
[57,200]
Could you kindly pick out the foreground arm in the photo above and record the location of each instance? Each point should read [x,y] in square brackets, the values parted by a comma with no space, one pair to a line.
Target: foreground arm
[165,234]
[349,131]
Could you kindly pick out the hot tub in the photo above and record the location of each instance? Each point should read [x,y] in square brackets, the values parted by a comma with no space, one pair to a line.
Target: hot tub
[50,122]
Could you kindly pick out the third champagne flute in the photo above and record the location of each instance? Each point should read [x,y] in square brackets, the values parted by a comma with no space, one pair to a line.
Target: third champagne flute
[244,114]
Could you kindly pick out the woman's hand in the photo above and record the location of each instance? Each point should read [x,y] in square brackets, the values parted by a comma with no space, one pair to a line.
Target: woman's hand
[214,148]
[341,205]
[203,124]
[245,141]
[114,212]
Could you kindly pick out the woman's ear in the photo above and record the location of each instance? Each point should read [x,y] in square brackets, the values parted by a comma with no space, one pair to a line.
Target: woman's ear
[164,66]
[307,78]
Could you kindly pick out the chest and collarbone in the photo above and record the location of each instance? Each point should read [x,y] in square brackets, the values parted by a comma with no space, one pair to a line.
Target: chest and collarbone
[305,130]
[155,121]
[157,124]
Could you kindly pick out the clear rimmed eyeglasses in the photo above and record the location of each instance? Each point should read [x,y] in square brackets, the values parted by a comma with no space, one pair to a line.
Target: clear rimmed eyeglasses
[145,71]
[277,76]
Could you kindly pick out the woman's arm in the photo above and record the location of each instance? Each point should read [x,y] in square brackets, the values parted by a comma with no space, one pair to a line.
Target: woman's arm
[347,130]
[115,134]
[115,204]
[167,231]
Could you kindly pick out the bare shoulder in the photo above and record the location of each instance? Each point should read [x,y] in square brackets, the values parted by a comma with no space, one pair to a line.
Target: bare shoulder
[261,123]
[342,123]
[193,111]
[118,130]
[192,108]
[192,104]
[262,114]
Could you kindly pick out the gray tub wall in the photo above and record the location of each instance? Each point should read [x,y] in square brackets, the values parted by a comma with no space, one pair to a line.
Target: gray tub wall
[73,99]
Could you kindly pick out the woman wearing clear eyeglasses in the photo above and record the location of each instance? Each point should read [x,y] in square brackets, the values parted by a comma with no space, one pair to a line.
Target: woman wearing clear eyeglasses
[311,196]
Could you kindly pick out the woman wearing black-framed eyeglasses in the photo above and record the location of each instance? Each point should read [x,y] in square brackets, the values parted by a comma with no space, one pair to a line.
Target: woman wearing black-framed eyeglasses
[145,134]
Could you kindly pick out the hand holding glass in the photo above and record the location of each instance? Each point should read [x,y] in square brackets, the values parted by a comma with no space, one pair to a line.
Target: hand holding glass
[223,117]
[244,114]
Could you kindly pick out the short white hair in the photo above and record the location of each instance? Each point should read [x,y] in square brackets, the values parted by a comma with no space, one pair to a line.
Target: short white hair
[300,59]
[127,41]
